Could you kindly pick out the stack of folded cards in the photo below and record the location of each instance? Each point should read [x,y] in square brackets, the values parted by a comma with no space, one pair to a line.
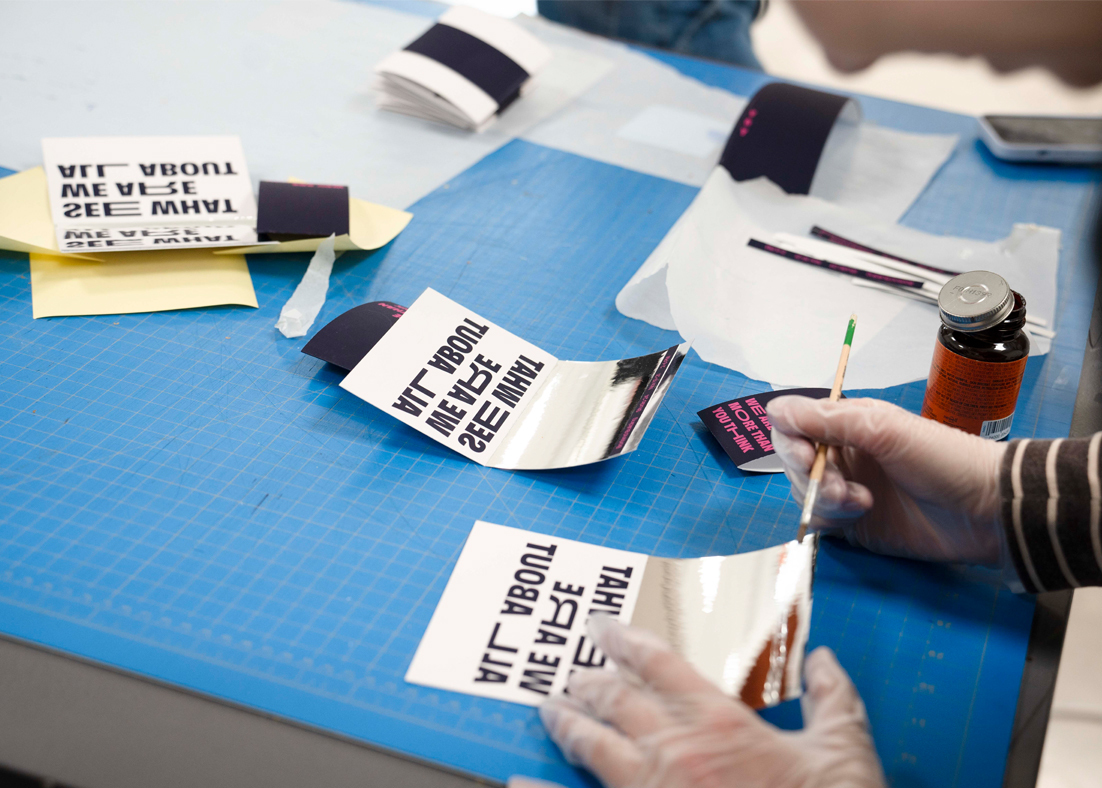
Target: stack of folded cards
[463,71]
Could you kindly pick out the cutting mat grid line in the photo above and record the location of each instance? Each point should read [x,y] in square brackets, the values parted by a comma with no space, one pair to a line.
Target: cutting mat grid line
[186,496]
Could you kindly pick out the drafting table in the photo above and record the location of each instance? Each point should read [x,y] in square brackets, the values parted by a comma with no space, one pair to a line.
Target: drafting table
[215,565]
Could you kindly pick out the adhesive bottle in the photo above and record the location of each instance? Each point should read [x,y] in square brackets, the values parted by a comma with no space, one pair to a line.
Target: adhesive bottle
[980,355]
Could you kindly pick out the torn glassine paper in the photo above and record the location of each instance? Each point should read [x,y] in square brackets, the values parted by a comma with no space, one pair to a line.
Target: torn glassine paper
[510,624]
[770,318]
[503,402]
[302,307]
[125,193]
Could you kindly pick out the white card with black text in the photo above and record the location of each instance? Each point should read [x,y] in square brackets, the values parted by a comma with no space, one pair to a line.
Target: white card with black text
[502,402]
[126,193]
[511,622]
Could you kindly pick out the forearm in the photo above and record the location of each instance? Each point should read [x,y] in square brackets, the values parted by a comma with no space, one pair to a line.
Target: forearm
[1051,501]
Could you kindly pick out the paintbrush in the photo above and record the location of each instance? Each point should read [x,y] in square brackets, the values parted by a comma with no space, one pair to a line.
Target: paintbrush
[819,465]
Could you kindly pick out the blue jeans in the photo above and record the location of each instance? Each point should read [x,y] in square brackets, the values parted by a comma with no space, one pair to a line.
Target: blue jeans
[715,29]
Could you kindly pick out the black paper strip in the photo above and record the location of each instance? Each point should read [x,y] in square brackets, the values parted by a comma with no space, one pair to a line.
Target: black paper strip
[492,70]
[894,281]
[781,134]
[347,338]
[834,238]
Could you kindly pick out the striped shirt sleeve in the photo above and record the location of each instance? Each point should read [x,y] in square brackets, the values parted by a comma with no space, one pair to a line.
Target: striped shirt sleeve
[1051,501]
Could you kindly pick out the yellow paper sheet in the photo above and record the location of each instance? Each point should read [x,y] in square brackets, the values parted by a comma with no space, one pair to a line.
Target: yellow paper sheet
[146,281]
[25,223]
[369,227]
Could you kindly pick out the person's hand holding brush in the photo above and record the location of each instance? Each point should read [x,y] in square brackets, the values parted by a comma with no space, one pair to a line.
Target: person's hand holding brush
[895,483]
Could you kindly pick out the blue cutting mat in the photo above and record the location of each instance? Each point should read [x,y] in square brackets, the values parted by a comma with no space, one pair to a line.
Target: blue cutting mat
[186,496]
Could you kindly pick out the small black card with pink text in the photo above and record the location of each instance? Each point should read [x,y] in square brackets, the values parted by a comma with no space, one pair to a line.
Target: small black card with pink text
[742,428]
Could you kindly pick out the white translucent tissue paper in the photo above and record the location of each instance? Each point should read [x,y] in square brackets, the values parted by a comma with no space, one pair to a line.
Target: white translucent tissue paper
[781,321]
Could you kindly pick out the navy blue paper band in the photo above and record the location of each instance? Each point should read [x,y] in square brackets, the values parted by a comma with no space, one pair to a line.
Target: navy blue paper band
[781,135]
[347,338]
[495,72]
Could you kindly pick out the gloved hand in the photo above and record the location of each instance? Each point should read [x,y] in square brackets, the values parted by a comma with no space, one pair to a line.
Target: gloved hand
[895,483]
[669,727]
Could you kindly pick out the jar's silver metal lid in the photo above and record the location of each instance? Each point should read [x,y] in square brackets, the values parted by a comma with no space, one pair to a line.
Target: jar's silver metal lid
[975,301]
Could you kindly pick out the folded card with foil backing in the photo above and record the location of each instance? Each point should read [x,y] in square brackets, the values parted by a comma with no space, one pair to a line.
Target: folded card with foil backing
[463,70]
[510,624]
[501,401]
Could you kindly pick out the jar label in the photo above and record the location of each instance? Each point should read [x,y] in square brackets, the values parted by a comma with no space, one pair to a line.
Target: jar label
[969,394]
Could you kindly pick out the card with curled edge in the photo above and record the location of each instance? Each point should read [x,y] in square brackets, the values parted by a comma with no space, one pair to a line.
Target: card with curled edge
[501,401]
[511,623]
[782,133]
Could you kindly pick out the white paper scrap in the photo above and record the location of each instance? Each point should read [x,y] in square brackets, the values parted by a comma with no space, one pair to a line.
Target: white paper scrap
[677,130]
[302,308]
[878,170]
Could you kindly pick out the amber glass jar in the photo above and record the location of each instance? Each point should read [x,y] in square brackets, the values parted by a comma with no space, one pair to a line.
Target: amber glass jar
[980,356]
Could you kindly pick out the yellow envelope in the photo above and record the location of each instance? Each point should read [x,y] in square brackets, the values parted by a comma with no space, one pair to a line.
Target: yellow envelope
[25,223]
[369,227]
[145,281]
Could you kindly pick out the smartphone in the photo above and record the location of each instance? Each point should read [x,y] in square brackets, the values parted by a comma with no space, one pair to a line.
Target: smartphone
[1069,140]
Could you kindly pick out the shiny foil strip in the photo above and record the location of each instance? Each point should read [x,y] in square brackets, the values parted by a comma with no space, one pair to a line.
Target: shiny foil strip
[741,620]
[511,623]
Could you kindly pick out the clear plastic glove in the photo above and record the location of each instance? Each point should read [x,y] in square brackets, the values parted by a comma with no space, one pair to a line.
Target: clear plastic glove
[895,483]
[669,727]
